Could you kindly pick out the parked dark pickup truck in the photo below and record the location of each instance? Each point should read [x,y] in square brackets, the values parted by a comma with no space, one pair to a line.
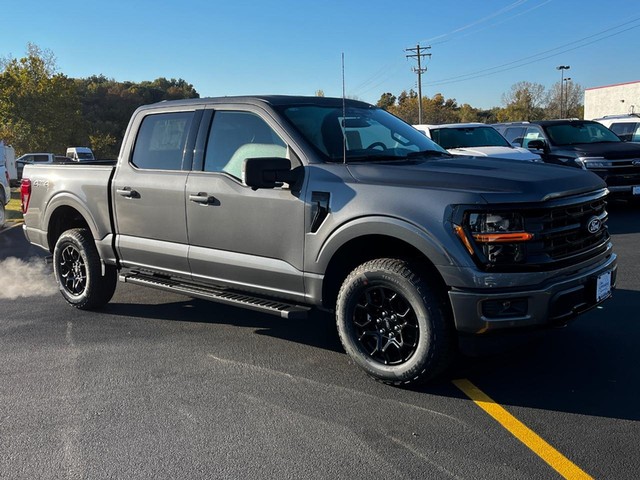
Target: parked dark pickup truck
[281,204]
[582,144]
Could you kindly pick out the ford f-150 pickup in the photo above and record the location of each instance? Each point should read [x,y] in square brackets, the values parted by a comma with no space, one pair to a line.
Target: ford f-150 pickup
[282,204]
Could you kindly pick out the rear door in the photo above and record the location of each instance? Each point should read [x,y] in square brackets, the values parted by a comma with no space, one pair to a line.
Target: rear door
[249,239]
[148,191]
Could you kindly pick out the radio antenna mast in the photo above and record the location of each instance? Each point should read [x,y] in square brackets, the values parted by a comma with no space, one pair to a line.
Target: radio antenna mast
[344,117]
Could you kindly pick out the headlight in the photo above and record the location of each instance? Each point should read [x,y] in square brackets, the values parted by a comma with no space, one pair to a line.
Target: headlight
[494,238]
[594,162]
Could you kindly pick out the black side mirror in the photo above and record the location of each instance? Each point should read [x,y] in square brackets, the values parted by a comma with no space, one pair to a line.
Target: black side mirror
[537,145]
[268,172]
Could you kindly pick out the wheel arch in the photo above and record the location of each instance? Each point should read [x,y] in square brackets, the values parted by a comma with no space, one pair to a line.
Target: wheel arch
[65,212]
[367,239]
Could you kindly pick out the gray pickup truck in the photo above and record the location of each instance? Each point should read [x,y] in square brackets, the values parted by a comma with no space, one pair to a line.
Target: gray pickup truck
[282,204]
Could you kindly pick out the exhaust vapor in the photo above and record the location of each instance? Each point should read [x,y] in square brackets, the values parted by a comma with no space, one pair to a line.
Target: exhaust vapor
[31,278]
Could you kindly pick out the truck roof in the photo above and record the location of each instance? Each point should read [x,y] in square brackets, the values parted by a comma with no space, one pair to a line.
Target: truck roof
[273,100]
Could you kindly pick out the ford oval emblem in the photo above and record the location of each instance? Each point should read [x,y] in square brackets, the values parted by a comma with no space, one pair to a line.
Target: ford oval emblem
[636,163]
[594,225]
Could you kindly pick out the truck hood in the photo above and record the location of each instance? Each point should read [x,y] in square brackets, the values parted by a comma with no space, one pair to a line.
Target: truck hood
[495,180]
[608,150]
[511,153]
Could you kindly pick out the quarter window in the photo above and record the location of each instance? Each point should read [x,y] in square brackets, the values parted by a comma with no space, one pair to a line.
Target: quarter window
[161,141]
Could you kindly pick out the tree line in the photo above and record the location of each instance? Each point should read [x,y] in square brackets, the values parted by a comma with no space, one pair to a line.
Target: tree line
[43,110]
[525,101]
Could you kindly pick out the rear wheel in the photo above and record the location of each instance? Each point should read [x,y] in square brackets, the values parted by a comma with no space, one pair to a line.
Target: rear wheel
[3,216]
[78,271]
[394,324]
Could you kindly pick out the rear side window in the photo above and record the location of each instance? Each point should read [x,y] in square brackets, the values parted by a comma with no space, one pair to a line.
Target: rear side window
[161,141]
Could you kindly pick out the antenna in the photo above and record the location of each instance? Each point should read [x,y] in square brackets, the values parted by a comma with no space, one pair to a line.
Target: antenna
[344,118]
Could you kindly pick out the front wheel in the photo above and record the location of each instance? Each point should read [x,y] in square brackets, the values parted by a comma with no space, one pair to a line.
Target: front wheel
[393,324]
[78,271]
[2,214]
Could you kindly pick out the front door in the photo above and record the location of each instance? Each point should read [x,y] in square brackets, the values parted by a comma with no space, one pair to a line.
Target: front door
[252,240]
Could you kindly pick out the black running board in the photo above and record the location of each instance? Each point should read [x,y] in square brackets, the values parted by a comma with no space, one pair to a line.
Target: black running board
[220,295]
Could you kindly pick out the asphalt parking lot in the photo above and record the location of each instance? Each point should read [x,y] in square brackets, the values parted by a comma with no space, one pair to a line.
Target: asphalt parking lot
[162,386]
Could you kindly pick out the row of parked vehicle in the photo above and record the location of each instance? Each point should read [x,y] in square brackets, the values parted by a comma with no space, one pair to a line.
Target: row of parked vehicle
[11,168]
[612,153]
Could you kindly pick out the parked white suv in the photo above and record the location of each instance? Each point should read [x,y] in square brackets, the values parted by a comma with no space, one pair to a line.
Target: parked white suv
[627,127]
[5,192]
[476,140]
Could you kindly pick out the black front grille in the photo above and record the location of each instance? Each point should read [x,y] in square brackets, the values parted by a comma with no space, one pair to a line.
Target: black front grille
[561,233]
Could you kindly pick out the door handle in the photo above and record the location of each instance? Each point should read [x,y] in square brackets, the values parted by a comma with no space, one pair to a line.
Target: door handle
[127,192]
[202,198]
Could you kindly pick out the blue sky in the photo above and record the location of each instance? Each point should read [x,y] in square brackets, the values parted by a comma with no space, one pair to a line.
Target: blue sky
[479,48]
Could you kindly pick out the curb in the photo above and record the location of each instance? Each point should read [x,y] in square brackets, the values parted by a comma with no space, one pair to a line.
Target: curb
[8,226]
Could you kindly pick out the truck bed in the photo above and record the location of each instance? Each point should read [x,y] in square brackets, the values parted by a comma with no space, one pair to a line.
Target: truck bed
[84,187]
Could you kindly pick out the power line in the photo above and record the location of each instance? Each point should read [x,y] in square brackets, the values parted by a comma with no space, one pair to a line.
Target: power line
[481,20]
[495,24]
[500,68]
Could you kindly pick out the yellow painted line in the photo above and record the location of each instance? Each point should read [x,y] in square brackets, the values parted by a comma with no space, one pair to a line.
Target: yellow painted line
[555,459]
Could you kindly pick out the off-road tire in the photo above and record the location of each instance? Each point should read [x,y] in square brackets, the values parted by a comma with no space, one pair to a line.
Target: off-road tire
[78,271]
[390,303]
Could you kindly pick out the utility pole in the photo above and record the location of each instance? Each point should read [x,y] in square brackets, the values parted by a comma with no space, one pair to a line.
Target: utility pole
[417,55]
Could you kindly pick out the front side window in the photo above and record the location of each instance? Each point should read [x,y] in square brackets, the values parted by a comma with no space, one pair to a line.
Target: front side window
[515,135]
[532,133]
[235,136]
[358,133]
[628,132]
[161,141]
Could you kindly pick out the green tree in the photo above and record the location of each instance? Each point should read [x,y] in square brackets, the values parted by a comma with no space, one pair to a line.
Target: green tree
[39,108]
[387,100]
[107,106]
[525,101]
[571,98]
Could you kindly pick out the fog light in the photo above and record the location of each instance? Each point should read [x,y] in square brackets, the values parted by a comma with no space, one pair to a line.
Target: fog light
[505,308]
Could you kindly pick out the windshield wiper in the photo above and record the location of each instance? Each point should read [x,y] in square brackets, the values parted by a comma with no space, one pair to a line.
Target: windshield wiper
[428,153]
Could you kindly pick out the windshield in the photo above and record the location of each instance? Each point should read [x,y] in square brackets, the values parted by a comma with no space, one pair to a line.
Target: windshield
[465,137]
[85,156]
[580,132]
[365,134]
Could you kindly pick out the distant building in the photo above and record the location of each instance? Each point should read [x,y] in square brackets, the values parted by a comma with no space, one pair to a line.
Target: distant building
[616,99]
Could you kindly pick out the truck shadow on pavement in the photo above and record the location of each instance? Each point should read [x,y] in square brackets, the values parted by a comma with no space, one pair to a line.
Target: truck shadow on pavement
[588,367]
[318,330]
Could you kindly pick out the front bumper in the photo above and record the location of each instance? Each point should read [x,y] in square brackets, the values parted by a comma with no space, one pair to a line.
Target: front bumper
[555,302]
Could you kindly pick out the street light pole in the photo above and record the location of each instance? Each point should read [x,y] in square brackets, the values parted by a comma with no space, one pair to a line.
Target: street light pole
[566,94]
[562,68]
